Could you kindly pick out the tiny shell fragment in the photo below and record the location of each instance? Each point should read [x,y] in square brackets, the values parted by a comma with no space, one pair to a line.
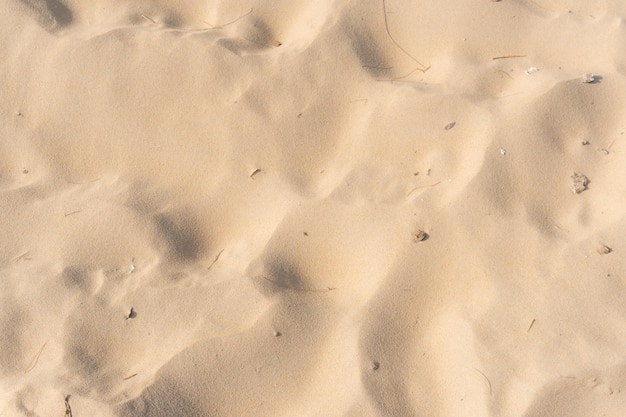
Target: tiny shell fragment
[531,70]
[579,183]
[604,250]
[449,125]
[588,78]
[277,43]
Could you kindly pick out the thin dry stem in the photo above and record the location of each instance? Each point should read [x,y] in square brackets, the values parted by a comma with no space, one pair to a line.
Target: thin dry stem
[486,379]
[211,27]
[423,67]
[33,363]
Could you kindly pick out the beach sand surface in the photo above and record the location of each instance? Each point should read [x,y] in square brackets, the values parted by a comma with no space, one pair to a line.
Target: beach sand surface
[292,208]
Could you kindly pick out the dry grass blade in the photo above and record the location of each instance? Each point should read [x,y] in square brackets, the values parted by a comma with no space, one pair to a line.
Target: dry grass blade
[486,379]
[211,27]
[422,186]
[33,363]
[423,67]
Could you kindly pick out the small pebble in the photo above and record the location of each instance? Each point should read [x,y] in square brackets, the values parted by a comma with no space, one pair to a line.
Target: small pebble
[420,236]
[579,183]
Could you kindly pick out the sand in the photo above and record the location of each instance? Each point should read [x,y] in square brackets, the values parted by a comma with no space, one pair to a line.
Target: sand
[293,208]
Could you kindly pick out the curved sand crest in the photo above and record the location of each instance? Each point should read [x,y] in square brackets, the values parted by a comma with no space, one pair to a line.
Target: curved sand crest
[162,162]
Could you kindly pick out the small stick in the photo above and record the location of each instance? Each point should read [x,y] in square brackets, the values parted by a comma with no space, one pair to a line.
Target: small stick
[129,377]
[487,379]
[256,171]
[73,212]
[531,325]
[215,260]
[296,288]
[509,56]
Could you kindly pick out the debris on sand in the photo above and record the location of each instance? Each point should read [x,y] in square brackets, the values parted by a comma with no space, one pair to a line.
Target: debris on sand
[579,183]
[604,250]
[589,78]
[419,235]
[531,70]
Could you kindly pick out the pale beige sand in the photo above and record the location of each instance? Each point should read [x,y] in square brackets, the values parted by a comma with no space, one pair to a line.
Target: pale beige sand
[248,177]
